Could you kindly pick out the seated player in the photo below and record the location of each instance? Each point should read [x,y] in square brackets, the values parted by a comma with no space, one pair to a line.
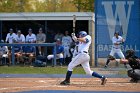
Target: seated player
[29,52]
[3,53]
[59,52]
[18,54]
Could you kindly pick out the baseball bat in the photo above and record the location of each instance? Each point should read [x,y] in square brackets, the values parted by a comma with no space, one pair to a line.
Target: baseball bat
[74,23]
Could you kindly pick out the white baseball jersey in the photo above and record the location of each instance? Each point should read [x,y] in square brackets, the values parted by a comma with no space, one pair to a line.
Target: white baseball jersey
[30,38]
[117,48]
[84,46]
[10,37]
[117,40]
[3,50]
[66,41]
[20,38]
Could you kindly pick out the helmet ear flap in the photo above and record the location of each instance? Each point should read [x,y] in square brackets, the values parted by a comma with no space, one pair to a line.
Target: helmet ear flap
[82,33]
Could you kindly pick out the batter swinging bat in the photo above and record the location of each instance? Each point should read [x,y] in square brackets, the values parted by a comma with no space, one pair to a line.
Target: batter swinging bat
[74,22]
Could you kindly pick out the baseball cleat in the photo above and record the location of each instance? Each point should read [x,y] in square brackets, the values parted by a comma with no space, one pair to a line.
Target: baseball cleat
[133,80]
[103,81]
[65,82]
[105,66]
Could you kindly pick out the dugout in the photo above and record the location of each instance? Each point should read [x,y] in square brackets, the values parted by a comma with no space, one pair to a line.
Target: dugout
[50,22]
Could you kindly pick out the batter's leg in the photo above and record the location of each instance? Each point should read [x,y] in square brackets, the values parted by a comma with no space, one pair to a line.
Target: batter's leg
[88,71]
[75,61]
[110,55]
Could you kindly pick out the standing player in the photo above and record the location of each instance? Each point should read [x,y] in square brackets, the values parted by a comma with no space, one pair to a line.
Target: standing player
[82,58]
[66,42]
[116,48]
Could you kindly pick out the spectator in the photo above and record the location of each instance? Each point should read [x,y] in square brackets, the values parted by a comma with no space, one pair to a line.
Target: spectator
[41,38]
[59,52]
[66,42]
[31,37]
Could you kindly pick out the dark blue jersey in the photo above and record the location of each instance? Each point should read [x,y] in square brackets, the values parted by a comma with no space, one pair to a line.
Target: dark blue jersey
[17,49]
[59,49]
[29,49]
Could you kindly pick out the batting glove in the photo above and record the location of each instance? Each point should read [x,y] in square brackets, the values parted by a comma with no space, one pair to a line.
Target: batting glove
[74,38]
[72,34]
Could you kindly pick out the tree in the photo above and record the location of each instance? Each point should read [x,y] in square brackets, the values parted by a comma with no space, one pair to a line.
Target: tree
[13,5]
[46,5]
[84,5]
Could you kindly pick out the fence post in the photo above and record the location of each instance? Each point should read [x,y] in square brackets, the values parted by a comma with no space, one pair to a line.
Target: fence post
[0,30]
[13,55]
[54,55]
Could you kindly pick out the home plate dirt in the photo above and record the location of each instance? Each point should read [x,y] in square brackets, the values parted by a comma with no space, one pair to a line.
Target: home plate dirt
[82,84]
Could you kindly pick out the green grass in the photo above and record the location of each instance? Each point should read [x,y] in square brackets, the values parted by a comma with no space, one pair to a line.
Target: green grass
[122,72]
[38,70]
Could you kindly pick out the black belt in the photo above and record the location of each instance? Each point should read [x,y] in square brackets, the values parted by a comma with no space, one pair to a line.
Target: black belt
[116,48]
[83,52]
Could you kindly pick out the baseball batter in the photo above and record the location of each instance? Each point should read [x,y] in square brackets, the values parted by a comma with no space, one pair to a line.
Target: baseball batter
[82,58]
[116,48]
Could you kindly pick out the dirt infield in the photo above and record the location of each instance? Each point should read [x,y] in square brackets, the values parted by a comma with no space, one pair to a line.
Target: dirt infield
[83,84]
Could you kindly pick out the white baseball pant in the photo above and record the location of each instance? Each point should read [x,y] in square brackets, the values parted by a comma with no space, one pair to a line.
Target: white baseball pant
[83,59]
[57,56]
[118,51]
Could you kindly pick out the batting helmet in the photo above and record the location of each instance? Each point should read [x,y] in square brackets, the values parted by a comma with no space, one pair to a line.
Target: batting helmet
[82,33]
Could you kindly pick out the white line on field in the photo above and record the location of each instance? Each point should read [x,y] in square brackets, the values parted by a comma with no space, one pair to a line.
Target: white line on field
[56,86]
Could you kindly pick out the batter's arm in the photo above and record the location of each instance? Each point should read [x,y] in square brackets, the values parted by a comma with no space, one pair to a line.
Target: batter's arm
[81,40]
[84,40]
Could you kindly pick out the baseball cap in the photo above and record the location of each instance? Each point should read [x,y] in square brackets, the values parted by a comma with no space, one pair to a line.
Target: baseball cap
[19,31]
[2,41]
[58,39]
[116,33]
[29,30]
[10,29]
